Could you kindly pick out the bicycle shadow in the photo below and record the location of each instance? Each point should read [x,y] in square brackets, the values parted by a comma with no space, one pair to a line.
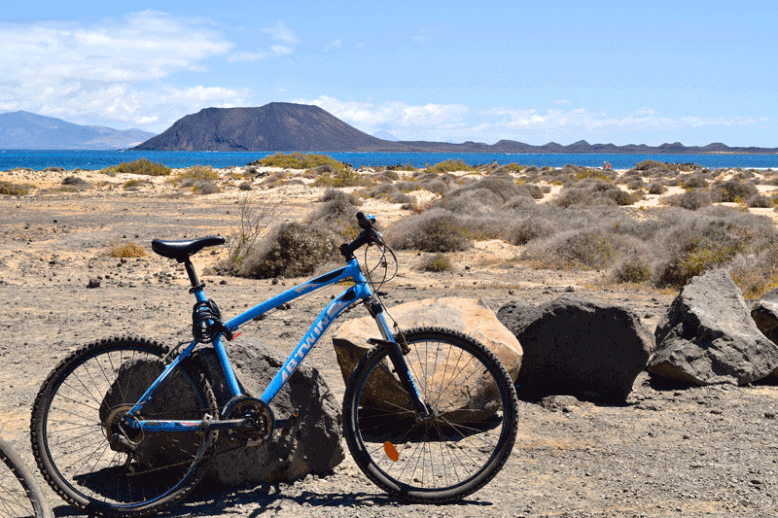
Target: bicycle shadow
[254,501]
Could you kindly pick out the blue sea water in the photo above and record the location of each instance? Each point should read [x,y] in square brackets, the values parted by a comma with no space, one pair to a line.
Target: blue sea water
[72,159]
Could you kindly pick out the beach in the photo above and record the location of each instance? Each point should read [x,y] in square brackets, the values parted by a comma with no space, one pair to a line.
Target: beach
[703,451]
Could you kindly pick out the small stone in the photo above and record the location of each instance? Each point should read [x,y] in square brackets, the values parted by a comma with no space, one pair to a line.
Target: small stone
[93,283]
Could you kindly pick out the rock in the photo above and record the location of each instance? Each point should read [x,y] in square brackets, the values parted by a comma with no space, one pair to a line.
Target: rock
[572,346]
[93,283]
[313,445]
[765,315]
[465,315]
[708,337]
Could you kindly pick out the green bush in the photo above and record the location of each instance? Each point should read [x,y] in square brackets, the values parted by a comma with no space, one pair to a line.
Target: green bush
[450,166]
[292,250]
[298,160]
[346,177]
[198,172]
[141,166]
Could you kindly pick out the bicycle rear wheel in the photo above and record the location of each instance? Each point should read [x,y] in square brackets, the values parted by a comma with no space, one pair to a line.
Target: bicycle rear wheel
[465,441]
[77,438]
[20,494]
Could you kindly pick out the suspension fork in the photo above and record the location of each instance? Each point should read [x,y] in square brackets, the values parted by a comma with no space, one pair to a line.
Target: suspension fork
[397,357]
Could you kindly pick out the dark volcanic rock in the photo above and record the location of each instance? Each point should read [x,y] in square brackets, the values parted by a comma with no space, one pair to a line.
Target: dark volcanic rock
[311,446]
[708,336]
[572,346]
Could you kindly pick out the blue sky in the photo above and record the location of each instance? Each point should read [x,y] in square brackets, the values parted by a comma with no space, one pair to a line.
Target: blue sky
[621,72]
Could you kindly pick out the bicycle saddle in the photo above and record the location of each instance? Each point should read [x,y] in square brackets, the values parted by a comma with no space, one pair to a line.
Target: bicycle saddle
[182,249]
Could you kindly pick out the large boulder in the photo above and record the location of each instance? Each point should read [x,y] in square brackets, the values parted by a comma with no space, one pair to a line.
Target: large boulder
[468,316]
[576,347]
[708,336]
[311,446]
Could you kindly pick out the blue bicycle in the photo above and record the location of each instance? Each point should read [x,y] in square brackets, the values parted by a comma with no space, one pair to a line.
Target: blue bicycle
[124,427]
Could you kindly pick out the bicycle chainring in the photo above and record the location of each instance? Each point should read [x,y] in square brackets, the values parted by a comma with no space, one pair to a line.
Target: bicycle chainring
[255,410]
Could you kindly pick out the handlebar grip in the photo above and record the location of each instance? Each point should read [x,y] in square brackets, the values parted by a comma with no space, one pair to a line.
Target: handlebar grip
[365,222]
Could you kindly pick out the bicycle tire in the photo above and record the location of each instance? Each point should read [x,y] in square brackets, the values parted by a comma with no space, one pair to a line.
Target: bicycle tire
[407,457]
[20,493]
[75,419]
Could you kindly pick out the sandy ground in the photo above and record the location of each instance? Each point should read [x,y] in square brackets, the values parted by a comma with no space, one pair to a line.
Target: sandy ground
[695,452]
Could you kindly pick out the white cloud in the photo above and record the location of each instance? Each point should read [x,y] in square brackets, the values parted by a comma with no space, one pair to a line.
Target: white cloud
[584,122]
[114,70]
[404,120]
[336,44]
[422,36]
[286,42]
[457,123]
[139,47]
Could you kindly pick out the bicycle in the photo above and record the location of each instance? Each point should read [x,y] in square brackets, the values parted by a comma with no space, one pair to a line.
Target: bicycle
[115,437]
[20,493]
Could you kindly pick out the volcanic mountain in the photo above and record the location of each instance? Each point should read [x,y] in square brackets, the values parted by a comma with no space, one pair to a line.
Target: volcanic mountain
[272,127]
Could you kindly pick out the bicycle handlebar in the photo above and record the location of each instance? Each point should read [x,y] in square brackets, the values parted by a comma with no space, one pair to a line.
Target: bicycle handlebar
[367,236]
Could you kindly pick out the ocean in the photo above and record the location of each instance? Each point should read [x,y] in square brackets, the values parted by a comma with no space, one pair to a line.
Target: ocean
[72,159]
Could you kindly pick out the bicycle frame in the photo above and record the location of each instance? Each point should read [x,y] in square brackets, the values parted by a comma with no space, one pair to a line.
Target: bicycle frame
[359,291]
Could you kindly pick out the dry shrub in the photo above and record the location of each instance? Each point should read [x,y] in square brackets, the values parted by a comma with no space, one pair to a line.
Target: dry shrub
[436,230]
[528,229]
[502,188]
[436,263]
[593,250]
[736,190]
[690,200]
[199,186]
[338,214]
[130,249]
[292,250]
[656,188]
[14,189]
[713,238]
[634,270]
[760,201]
[198,172]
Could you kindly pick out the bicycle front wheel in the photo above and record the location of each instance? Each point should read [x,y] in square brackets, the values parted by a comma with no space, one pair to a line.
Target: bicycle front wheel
[20,494]
[463,442]
[83,447]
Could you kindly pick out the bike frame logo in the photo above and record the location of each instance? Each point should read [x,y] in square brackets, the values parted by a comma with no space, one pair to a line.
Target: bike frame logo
[307,343]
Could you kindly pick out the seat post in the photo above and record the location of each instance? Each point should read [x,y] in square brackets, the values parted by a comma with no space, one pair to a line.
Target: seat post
[190,270]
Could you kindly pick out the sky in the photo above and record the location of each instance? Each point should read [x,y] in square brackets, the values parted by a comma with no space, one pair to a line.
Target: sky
[606,72]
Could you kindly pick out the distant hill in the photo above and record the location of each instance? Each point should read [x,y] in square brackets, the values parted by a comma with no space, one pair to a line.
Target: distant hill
[25,130]
[301,127]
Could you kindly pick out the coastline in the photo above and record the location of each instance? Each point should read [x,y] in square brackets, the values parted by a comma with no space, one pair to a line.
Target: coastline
[95,160]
